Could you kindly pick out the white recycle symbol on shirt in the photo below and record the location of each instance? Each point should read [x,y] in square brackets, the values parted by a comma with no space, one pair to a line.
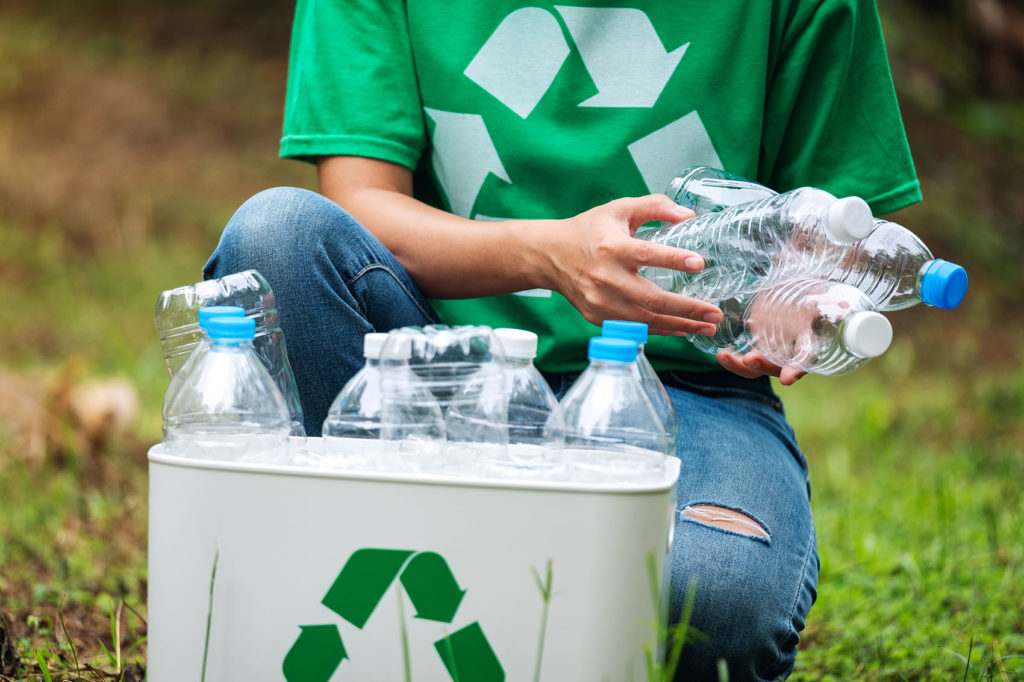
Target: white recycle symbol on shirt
[517,65]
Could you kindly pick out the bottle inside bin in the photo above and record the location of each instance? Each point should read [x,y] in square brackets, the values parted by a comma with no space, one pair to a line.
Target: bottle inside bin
[461,369]
[225,405]
[655,390]
[611,430]
[351,431]
[176,317]
[533,413]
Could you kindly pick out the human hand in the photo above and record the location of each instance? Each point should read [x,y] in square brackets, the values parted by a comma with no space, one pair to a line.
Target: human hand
[752,365]
[593,260]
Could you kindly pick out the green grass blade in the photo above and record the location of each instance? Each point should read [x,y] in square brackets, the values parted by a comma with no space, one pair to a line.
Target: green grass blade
[209,615]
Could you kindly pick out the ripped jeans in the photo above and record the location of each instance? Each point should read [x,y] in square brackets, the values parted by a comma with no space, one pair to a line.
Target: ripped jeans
[743,534]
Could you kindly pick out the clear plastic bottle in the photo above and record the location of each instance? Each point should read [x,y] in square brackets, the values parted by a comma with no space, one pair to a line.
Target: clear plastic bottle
[612,432]
[204,315]
[742,244]
[534,416]
[731,333]
[176,317]
[704,189]
[816,326]
[412,414]
[655,390]
[226,406]
[531,402]
[896,270]
[351,431]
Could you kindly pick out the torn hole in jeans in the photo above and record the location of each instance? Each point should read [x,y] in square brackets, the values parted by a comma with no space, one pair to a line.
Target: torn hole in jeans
[725,518]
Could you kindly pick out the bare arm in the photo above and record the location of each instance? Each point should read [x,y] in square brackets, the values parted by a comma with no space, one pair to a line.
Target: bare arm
[590,258]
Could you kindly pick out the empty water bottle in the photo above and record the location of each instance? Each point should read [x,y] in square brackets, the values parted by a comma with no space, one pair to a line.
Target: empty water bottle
[204,316]
[177,323]
[816,326]
[612,432]
[533,415]
[742,244]
[896,270]
[531,402]
[351,431]
[226,406]
[444,397]
[731,333]
[655,390]
[704,189]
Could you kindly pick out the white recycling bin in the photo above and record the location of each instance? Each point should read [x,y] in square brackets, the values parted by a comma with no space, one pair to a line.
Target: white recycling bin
[260,572]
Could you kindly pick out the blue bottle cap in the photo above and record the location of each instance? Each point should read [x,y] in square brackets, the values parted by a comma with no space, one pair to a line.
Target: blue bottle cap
[219,311]
[621,329]
[236,328]
[943,284]
[616,350]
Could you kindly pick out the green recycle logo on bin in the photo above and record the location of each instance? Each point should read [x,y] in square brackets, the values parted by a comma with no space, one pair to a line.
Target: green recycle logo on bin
[355,594]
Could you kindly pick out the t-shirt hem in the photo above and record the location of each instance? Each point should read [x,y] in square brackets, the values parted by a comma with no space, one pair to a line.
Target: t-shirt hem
[309,147]
[900,197]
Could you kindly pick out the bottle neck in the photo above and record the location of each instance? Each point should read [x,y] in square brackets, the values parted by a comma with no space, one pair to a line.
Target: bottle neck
[612,365]
[228,345]
[517,363]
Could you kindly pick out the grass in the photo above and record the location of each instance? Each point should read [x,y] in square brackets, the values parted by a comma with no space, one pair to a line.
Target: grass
[915,461]
[920,517]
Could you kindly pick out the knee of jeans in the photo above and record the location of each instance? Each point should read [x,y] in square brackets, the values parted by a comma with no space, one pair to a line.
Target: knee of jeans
[273,224]
[738,624]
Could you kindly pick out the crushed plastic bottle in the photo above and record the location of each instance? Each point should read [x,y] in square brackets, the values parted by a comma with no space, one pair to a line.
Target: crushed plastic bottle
[177,323]
[816,326]
[704,189]
[742,245]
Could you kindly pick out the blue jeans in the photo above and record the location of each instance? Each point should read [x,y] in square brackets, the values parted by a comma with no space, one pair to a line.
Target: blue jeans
[335,282]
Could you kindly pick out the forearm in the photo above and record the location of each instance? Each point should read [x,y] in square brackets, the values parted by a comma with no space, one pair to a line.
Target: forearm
[453,257]
[448,256]
[590,258]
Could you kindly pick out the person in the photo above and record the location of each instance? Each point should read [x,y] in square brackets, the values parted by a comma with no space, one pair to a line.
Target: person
[488,163]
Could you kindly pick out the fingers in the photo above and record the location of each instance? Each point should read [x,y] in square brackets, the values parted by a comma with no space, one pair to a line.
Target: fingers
[752,365]
[639,210]
[734,364]
[655,255]
[670,313]
[664,313]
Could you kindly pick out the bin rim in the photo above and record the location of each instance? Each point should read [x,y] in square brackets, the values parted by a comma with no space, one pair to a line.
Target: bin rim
[156,455]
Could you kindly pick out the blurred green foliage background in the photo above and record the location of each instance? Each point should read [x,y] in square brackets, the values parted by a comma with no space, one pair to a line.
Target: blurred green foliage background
[131,129]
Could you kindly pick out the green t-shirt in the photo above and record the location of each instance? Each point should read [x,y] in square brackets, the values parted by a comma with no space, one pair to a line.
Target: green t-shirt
[544,111]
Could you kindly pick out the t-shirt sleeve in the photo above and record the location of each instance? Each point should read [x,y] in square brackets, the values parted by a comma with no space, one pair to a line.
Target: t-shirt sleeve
[351,83]
[831,115]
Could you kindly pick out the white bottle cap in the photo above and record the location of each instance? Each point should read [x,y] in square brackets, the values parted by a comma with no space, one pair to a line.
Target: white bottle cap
[372,344]
[400,348]
[518,343]
[867,334]
[848,220]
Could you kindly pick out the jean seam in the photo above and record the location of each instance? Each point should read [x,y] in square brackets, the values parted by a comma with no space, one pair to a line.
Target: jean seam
[427,313]
[803,578]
